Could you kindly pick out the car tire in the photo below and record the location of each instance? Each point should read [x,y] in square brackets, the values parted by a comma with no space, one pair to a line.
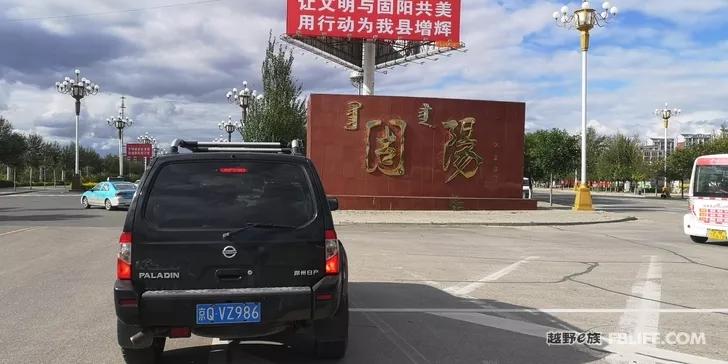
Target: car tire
[333,345]
[150,355]
[698,239]
[107,205]
[85,204]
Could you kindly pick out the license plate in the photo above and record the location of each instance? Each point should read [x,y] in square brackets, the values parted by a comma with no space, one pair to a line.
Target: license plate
[717,234]
[228,313]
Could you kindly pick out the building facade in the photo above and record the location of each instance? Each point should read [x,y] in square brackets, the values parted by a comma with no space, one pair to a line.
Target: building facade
[656,150]
[696,139]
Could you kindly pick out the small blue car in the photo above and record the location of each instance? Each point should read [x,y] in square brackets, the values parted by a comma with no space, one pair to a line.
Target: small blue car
[110,195]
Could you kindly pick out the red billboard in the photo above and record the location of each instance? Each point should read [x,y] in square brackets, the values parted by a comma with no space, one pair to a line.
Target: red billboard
[134,151]
[416,20]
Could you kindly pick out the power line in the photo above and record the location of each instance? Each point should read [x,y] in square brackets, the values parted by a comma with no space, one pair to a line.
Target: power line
[68,16]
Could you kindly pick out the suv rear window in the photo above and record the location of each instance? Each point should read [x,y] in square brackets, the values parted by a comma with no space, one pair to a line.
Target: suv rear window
[229,194]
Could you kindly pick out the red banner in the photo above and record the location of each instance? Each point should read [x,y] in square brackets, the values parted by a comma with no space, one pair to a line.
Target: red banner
[418,20]
[138,151]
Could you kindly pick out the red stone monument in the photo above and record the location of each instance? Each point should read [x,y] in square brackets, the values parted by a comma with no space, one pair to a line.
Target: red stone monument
[412,153]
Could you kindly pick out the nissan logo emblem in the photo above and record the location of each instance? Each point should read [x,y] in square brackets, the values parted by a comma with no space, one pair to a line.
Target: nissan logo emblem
[229,252]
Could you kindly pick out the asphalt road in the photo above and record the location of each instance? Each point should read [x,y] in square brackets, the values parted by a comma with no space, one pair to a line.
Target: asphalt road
[419,294]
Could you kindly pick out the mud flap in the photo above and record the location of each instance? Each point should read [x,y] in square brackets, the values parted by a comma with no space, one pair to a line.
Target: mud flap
[124,332]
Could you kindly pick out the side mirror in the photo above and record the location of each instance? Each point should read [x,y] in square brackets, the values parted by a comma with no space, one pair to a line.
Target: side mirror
[333,203]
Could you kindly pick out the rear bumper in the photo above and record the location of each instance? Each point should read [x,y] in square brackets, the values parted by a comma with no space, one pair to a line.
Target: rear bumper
[694,227]
[120,202]
[177,308]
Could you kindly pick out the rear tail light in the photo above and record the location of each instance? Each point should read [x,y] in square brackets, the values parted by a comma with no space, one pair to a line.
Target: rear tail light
[123,260]
[332,253]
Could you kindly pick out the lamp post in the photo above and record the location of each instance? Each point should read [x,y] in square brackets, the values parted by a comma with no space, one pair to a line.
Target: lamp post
[243,99]
[147,139]
[120,122]
[584,20]
[666,113]
[229,127]
[78,88]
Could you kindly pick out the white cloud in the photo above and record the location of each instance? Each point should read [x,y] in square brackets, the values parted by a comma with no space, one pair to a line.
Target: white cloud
[181,61]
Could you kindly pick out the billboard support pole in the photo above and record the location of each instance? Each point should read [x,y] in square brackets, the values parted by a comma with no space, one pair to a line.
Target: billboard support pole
[369,66]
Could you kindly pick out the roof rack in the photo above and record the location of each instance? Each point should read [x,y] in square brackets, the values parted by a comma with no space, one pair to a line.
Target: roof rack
[251,147]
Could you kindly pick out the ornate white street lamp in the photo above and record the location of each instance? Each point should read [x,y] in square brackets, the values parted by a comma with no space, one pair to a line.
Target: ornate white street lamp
[120,122]
[244,99]
[78,88]
[229,126]
[584,20]
[147,139]
[666,113]
[220,139]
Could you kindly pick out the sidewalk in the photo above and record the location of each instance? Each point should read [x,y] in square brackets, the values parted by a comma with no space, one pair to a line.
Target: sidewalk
[23,190]
[11,191]
[558,216]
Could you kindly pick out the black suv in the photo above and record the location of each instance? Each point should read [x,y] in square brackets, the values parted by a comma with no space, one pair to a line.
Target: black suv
[232,241]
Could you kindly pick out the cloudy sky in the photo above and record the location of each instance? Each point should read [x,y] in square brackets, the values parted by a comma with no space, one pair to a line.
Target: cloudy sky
[176,59]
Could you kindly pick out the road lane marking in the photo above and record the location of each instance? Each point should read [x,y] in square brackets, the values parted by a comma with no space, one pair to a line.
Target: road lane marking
[460,290]
[414,355]
[646,294]
[19,231]
[538,310]
[642,353]
[218,355]
[422,278]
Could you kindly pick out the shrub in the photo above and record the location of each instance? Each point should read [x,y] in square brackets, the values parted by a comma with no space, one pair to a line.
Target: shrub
[89,185]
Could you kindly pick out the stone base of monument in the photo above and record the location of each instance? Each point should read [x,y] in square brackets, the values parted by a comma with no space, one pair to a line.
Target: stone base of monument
[433,203]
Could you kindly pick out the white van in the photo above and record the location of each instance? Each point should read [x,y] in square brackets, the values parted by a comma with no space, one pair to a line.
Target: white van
[708,200]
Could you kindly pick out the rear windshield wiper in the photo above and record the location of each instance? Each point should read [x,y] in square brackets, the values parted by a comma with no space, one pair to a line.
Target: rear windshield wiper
[251,225]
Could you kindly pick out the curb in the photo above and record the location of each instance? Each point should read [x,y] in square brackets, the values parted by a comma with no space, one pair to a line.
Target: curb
[504,224]
[15,193]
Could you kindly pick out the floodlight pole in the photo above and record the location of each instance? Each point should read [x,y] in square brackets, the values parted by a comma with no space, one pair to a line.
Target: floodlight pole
[369,66]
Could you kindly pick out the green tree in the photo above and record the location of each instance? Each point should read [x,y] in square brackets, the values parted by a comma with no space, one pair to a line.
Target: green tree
[280,115]
[551,153]
[595,145]
[33,154]
[12,145]
[52,158]
[620,160]
[531,168]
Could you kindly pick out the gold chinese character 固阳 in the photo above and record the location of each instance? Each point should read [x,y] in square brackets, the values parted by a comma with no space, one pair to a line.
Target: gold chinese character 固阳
[352,115]
[460,151]
[424,115]
[387,153]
